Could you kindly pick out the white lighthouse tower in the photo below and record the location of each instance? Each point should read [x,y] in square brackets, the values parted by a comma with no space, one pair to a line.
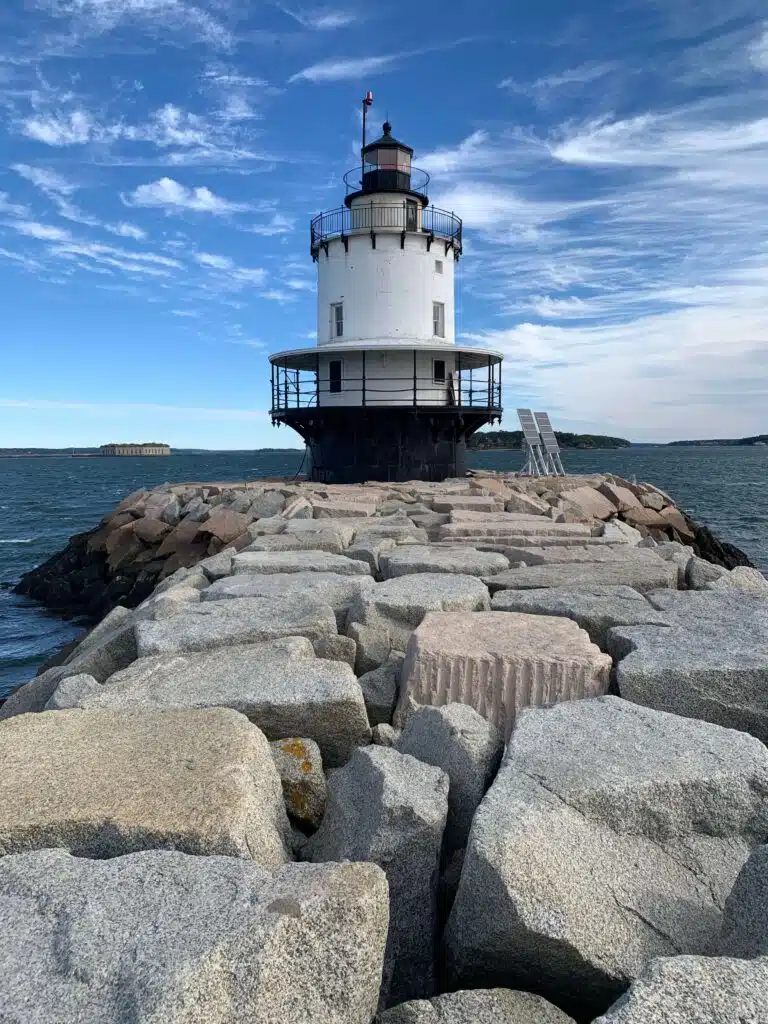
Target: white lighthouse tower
[386,394]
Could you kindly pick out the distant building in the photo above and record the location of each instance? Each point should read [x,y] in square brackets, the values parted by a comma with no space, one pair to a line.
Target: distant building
[144,448]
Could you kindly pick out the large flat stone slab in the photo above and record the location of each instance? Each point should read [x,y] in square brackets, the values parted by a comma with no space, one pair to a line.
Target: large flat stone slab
[500,663]
[711,663]
[242,620]
[596,609]
[466,561]
[329,587]
[559,554]
[695,990]
[161,936]
[268,562]
[643,576]
[389,808]
[397,606]
[744,932]
[612,834]
[280,687]
[106,783]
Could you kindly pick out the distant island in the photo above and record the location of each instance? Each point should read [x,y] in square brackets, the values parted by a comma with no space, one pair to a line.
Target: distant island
[496,439]
[760,439]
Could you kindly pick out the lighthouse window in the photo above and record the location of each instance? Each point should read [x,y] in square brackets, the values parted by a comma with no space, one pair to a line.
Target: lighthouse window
[438,319]
[334,376]
[337,319]
[438,266]
[438,371]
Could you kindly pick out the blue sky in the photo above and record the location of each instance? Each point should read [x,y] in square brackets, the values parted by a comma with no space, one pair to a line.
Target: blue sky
[161,160]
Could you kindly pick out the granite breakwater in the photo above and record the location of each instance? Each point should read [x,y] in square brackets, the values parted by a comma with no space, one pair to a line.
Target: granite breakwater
[488,749]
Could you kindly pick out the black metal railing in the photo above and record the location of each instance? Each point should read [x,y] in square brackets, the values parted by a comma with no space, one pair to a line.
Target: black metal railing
[478,388]
[377,178]
[404,217]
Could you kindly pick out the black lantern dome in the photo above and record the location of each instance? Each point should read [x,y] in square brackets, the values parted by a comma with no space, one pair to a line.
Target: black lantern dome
[387,164]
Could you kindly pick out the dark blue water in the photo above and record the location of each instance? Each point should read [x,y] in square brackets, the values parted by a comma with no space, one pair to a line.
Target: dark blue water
[44,501]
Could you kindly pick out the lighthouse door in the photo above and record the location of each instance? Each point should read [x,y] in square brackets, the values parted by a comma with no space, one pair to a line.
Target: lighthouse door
[410,215]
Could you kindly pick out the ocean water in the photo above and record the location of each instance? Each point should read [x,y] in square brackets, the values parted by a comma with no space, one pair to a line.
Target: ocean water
[44,501]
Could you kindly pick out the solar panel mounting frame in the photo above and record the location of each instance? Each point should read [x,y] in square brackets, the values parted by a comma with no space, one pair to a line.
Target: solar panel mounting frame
[549,442]
[535,463]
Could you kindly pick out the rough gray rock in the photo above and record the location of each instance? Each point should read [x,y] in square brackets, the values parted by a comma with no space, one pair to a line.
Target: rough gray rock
[161,936]
[466,747]
[384,735]
[380,687]
[373,647]
[611,835]
[700,572]
[596,609]
[330,587]
[71,690]
[107,648]
[105,783]
[337,648]
[481,1006]
[300,766]
[216,567]
[710,663]
[695,990]
[269,527]
[268,562]
[266,505]
[467,561]
[397,606]
[278,686]
[744,933]
[215,624]
[390,809]
[644,576]
[742,578]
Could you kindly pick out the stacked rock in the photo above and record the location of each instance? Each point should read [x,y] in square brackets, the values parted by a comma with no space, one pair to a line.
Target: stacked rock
[483,750]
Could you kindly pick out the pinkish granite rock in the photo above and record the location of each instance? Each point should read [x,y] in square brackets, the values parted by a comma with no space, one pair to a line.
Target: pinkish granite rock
[500,663]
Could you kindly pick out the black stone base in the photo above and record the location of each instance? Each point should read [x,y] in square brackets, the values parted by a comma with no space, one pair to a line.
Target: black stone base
[354,445]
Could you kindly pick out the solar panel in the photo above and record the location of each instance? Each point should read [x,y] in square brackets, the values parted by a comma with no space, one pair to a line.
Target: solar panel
[535,463]
[530,430]
[547,433]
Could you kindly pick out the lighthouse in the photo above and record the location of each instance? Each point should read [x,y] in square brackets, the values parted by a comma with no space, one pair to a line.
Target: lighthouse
[386,393]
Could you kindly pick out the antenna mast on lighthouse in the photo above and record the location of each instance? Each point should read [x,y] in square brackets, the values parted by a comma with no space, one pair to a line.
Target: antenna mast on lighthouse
[367,101]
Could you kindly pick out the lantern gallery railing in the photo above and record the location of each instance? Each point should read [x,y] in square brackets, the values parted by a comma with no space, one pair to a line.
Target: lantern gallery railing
[478,388]
[403,217]
[379,177]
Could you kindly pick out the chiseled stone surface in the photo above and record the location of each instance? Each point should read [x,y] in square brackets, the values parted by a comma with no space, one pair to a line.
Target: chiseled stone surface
[215,624]
[165,937]
[414,558]
[612,834]
[596,609]
[695,990]
[643,575]
[280,686]
[105,783]
[298,561]
[744,933]
[390,809]
[480,1006]
[300,766]
[590,502]
[397,606]
[710,663]
[466,747]
[500,663]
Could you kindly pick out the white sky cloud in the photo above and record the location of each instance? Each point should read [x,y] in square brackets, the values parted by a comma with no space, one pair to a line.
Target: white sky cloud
[340,69]
[45,232]
[169,195]
[322,19]
[70,129]
[95,17]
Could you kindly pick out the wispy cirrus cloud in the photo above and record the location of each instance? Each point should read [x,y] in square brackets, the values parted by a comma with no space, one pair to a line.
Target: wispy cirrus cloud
[60,129]
[543,90]
[128,408]
[341,69]
[89,18]
[322,19]
[169,195]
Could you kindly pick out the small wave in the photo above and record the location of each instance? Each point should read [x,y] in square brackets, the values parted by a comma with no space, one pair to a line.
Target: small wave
[19,540]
